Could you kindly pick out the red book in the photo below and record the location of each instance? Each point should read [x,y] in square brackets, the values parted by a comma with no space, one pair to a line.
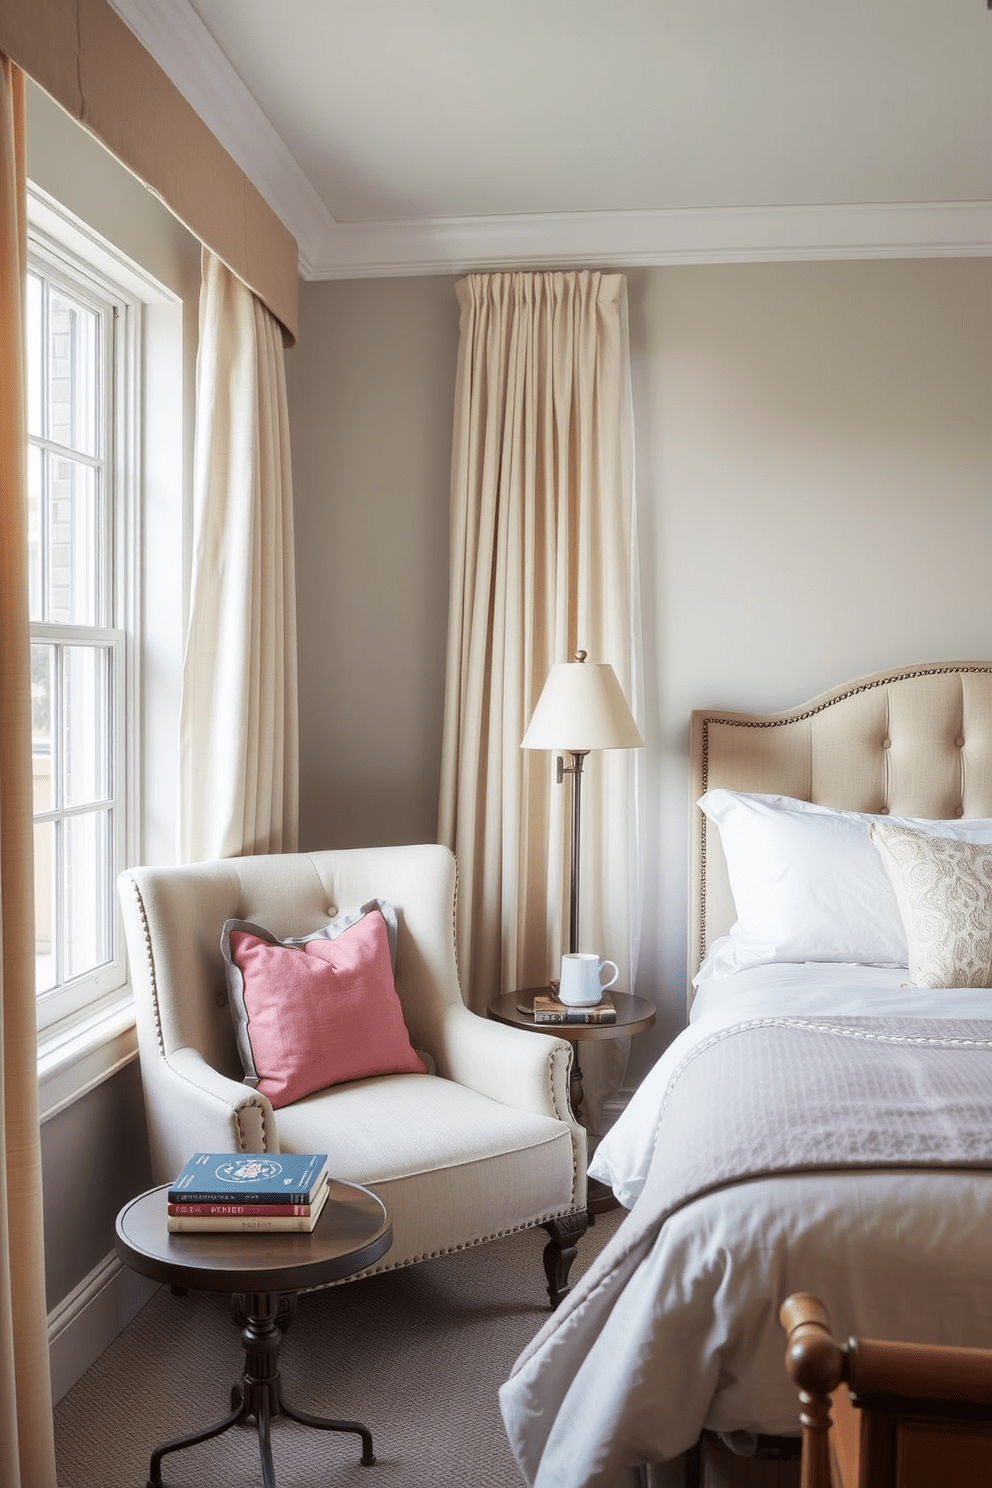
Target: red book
[219,1210]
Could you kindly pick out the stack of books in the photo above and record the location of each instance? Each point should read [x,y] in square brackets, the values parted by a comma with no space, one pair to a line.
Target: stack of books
[261,1191]
[548,1009]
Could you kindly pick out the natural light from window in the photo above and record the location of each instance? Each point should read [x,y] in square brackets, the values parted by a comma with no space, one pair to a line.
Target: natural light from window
[77,647]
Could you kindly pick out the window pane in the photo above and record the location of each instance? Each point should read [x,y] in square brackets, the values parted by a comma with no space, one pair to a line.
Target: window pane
[73,389]
[35,369]
[45,878]
[73,543]
[86,745]
[42,692]
[36,533]
[86,892]
[45,963]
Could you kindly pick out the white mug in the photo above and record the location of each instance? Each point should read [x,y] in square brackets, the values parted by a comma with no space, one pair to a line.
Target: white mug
[582,979]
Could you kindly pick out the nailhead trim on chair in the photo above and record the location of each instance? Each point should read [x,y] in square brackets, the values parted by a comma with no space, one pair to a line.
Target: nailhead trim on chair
[566,1118]
[151,962]
[454,923]
[250,1104]
[433,1255]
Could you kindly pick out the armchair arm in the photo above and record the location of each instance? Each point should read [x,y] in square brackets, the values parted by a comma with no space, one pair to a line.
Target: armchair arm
[509,1065]
[192,1108]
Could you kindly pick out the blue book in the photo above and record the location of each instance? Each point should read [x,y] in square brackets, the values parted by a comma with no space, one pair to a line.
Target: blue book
[250,1177]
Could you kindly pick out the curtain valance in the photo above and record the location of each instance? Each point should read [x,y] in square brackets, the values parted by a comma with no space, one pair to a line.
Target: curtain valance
[82,53]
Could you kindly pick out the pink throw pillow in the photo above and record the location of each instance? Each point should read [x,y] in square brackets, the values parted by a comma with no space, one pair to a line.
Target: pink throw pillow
[321,1012]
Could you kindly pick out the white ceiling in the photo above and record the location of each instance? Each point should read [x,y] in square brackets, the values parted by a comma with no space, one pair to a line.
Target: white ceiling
[411,136]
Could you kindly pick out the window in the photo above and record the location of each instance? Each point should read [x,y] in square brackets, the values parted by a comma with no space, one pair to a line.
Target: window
[77,367]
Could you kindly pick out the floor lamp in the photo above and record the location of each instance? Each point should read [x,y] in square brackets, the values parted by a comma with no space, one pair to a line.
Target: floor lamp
[581,707]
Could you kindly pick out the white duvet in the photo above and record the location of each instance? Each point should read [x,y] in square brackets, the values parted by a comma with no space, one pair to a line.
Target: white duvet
[689,1336]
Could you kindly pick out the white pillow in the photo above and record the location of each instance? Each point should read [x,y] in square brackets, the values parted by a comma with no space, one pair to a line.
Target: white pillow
[809,884]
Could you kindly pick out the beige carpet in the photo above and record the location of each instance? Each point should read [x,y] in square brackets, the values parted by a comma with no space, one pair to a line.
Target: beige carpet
[417,1354]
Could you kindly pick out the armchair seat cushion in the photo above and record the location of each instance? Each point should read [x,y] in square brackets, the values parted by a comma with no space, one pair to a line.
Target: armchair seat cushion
[453,1167]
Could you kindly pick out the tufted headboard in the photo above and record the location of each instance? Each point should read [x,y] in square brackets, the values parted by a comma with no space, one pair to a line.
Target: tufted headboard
[915,742]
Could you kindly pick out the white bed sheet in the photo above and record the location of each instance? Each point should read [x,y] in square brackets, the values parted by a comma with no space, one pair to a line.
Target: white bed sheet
[690,1338]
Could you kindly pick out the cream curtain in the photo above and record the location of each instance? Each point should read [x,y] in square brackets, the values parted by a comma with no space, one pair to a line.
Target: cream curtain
[238,720]
[543,562]
[27,1451]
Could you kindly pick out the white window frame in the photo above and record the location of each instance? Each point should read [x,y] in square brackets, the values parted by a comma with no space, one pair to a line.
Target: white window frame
[63,256]
[89,1045]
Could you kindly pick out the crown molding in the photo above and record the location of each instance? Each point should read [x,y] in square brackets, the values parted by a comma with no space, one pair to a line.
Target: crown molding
[175,36]
[634,239]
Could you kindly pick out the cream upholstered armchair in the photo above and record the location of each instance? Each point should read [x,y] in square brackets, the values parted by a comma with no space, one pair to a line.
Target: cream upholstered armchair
[483,1145]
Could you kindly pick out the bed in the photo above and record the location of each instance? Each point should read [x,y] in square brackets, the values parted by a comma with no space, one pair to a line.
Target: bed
[842,858]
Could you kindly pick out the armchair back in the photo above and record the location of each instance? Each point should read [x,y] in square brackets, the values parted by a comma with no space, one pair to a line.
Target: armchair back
[175,916]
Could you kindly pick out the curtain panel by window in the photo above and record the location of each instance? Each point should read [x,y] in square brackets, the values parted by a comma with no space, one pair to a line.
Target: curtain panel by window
[239,755]
[27,1451]
[543,562]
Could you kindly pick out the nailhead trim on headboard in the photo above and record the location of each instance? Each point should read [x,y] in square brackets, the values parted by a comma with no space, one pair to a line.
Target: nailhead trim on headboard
[854,690]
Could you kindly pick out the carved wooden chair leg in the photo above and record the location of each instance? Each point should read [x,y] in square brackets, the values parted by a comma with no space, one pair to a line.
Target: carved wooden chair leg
[561,1250]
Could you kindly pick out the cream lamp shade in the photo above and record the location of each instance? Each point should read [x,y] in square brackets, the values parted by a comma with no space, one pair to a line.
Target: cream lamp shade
[582,707]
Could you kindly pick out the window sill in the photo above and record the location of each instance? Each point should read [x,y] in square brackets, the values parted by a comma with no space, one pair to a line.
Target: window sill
[79,1053]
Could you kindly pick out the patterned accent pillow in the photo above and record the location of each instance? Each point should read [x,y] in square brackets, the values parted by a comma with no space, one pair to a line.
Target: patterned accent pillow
[944,891]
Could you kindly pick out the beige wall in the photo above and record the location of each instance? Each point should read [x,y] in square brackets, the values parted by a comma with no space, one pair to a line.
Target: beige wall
[814,469]
[814,449]
[370,398]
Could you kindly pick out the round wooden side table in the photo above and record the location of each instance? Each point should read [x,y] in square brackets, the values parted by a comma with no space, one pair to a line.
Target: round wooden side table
[266,1271]
[634,1015]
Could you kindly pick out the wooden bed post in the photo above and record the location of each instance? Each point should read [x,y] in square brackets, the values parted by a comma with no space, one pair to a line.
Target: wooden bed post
[815,1362]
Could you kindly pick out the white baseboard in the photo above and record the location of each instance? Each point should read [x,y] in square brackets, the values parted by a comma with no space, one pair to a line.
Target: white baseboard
[89,1319]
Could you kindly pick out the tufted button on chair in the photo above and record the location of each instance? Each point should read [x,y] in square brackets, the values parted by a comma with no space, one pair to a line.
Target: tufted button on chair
[483,1145]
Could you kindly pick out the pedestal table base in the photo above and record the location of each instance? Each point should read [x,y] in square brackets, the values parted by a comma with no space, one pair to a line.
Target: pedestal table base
[259,1394]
